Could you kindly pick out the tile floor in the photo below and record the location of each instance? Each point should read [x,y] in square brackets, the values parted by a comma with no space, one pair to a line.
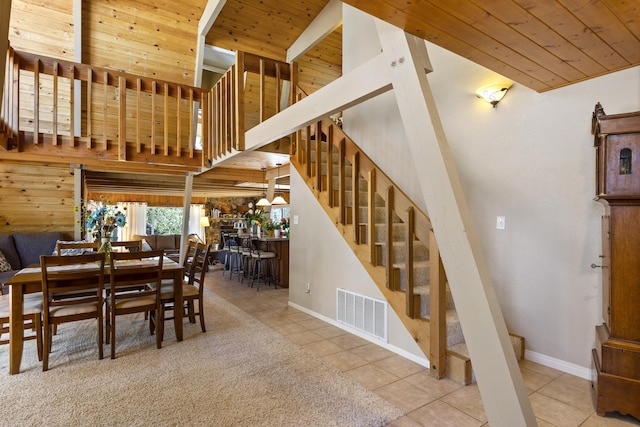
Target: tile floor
[558,399]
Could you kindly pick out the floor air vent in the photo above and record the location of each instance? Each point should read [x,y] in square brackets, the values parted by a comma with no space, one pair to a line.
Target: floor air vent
[365,314]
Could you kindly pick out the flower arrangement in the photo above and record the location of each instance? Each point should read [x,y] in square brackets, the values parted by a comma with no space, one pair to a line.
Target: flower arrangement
[103,220]
[256,218]
[285,225]
[271,225]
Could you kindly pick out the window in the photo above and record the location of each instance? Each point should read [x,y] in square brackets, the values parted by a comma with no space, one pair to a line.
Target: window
[164,220]
[279,212]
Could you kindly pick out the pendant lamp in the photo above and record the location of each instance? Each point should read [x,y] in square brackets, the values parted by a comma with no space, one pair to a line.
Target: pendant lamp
[278,200]
[263,201]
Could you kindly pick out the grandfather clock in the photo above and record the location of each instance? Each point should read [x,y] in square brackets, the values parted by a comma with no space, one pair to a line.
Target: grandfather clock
[616,358]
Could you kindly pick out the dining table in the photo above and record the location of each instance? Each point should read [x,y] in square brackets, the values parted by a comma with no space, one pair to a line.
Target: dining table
[29,280]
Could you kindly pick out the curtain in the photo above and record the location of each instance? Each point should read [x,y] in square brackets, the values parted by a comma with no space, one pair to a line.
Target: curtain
[196,212]
[136,214]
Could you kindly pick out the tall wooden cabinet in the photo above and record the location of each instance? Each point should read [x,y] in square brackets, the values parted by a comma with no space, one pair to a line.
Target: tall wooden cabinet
[616,356]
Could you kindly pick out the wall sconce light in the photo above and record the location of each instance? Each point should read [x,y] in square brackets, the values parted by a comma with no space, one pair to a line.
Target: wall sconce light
[494,93]
[279,200]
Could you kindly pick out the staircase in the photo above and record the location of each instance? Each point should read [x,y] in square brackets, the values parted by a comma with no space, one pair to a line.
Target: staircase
[394,241]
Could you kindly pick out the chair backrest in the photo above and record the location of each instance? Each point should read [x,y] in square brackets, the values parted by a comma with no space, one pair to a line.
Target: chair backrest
[130,245]
[76,248]
[199,266]
[189,256]
[129,271]
[80,275]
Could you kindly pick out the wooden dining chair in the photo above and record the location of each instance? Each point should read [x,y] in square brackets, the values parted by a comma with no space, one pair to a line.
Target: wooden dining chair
[79,275]
[192,289]
[31,316]
[76,248]
[134,287]
[130,245]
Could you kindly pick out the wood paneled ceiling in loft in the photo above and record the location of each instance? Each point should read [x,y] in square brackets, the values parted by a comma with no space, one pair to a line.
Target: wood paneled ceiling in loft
[541,44]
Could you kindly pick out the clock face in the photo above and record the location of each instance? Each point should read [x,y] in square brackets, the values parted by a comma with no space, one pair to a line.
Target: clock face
[250,211]
[250,205]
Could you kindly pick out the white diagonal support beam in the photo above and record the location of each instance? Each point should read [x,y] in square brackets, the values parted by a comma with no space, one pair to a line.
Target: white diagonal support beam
[324,24]
[500,382]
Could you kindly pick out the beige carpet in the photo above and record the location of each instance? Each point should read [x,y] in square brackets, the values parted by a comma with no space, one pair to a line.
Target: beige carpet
[239,373]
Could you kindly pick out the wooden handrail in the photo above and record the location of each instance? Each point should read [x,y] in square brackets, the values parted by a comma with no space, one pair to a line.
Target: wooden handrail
[397,205]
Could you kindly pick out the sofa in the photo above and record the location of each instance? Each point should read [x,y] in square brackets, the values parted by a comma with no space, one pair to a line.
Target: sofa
[169,242]
[23,249]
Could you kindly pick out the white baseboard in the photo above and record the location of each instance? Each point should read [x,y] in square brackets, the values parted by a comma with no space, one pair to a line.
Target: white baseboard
[561,365]
[397,350]
[551,362]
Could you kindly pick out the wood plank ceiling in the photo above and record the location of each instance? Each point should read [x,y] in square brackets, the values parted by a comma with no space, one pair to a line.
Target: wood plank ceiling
[540,44]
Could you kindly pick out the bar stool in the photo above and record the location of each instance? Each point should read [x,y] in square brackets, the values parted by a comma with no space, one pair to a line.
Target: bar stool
[228,241]
[258,257]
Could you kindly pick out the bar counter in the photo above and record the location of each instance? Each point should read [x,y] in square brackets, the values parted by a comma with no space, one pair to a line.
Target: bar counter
[279,245]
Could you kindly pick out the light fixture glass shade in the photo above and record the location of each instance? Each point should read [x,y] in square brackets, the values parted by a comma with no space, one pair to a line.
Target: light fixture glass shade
[279,200]
[204,221]
[494,93]
[263,201]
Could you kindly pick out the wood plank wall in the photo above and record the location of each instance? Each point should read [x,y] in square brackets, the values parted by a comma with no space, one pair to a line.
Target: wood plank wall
[155,200]
[36,198]
[153,40]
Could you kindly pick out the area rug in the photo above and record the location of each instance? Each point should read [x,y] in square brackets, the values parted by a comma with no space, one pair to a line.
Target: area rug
[238,373]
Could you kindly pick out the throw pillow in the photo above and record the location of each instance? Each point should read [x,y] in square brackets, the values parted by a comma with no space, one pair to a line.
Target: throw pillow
[4,264]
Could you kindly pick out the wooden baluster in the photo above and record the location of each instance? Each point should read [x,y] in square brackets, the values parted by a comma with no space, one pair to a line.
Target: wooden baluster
[72,110]
[318,165]
[355,188]
[342,187]
[166,119]
[178,122]
[105,86]
[36,102]
[278,88]
[438,310]
[154,91]
[122,119]
[371,231]
[388,240]
[54,124]
[232,107]
[263,100]
[138,115]
[330,193]
[239,100]
[408,257]
[89,108]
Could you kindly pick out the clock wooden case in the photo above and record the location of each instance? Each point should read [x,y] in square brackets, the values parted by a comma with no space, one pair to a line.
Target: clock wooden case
[616,356]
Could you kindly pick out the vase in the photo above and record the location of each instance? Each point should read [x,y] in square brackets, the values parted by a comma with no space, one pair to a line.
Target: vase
[105,246]
[276,233]
[270,233]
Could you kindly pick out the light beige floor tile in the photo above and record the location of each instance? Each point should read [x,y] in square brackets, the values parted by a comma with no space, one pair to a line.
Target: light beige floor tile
[403,396]
[304,337]
[288,328]
[613,419]
[322,348]
[371,377]
[436,388]
[533,380]
[330,331]
[468,400]
[556,412]
[541,369]
[441,414]
[404,422]
[571,390]
[372,352]
[400,366]
[345,360]
[349,341]
[313,324]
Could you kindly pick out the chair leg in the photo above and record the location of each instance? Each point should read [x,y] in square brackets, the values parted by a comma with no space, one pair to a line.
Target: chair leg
[37,322]
[113,336]
[159,314]
[100,336]
[201,314]
[48,329]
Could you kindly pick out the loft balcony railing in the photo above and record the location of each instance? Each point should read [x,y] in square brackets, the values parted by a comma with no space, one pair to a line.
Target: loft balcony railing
[54,109]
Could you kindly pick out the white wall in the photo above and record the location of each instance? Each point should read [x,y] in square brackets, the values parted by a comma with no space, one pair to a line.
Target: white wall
[531,159]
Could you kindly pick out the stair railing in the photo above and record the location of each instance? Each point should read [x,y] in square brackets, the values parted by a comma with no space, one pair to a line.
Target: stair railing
[362,230]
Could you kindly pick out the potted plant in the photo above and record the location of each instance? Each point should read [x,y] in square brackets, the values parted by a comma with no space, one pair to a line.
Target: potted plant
[271,226]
